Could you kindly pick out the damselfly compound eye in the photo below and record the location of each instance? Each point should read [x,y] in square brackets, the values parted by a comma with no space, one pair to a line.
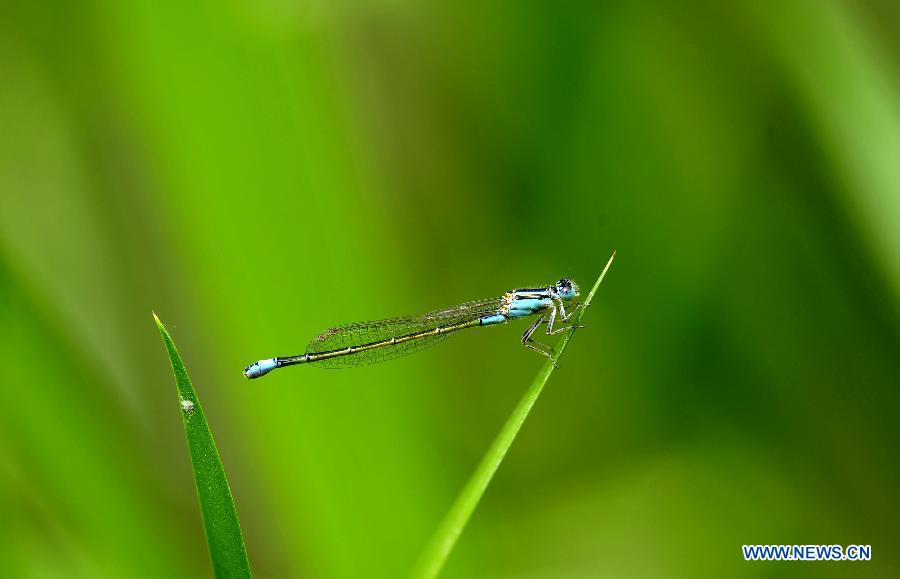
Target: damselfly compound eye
[566,288]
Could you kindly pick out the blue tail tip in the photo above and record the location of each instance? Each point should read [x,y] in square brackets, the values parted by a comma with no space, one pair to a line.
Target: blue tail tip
[261,368]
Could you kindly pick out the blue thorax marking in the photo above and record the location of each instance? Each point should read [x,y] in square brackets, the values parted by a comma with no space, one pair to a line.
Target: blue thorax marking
[520,307]
[535,292]
[528,306]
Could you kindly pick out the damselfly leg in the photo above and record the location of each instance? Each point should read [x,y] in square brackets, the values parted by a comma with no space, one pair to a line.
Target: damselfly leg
[562,309]
[528,342]
[565,317]
[550,319]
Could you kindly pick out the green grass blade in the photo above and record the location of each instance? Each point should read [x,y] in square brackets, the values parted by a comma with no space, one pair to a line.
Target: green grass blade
[220,520]
[438,550]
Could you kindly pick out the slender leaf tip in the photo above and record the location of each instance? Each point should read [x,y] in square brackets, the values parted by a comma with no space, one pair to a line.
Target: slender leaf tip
[439,548]
[224,538]
[600,279]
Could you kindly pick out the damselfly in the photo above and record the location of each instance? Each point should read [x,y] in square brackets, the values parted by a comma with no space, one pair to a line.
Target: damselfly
[369,342]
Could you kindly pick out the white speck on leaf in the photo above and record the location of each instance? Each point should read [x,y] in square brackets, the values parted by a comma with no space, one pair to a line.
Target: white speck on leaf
[187,406]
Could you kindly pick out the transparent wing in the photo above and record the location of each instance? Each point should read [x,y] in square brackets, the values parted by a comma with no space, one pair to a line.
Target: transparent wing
[358,334]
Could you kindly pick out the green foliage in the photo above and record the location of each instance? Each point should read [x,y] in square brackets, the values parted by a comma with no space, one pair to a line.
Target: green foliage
[220,520]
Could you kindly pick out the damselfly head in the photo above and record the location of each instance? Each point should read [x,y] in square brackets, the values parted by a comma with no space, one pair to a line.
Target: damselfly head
[566,288]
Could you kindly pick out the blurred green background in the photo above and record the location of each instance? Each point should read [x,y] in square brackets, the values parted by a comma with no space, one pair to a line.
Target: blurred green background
[258,171]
